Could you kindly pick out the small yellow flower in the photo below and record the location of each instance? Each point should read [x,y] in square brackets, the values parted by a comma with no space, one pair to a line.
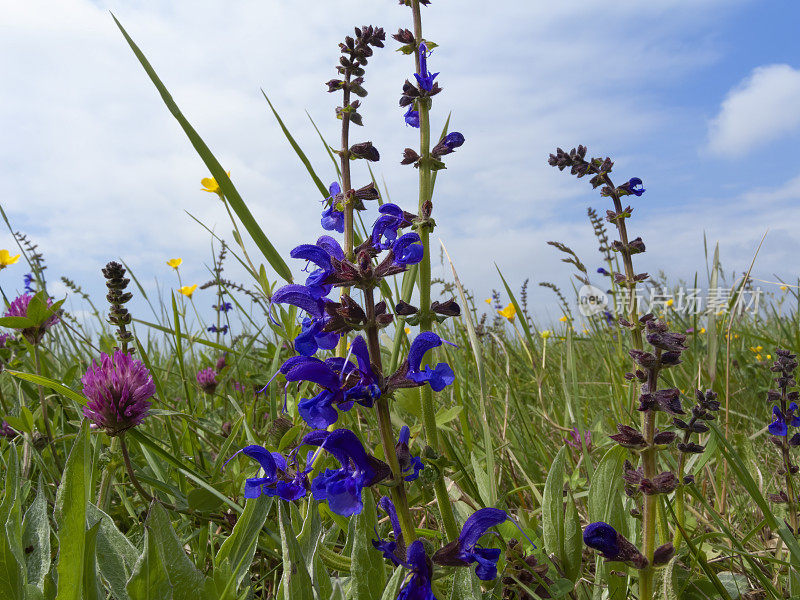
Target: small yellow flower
[758,357]
[188,290]
[736,336]
[509,312]
[210,185]
[488,301]
[784,288]
[6,259]
[546,334]
[407,330]
[175,262]
[769,356]
[564,319]
[585,331]
[702,330]
[670,302]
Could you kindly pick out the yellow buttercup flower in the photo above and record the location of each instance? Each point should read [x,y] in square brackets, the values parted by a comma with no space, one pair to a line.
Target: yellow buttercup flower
[509,312]
[784,288]
[670,302]
[210,185]
[188,290]
[564,319]
[407,330]
[6,259]
[702,330]
[175,262]
[546,334]
[488,301]
[769,356]
[758,357]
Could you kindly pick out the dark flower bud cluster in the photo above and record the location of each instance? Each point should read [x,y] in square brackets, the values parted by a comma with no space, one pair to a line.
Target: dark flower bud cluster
[703,411]
[117,297]
[525,570]
[355,54]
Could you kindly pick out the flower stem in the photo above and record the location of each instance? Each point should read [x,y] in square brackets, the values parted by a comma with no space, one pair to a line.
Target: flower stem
[44,404]
[398,490]
[129,468]
[344,159]
[424,272]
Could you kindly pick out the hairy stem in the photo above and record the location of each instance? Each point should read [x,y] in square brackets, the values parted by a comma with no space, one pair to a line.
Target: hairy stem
[45,413]
[398,490]
[129,468]
[425,187]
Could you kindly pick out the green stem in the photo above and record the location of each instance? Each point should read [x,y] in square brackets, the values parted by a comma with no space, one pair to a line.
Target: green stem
[103,498]
[398,490]
[344,159]
[44,404]
[425,187]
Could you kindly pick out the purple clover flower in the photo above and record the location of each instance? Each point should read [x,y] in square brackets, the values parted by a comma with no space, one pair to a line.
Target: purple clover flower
[19,308]
[342,487]
[7,431]
[207,380]
[118,389]
[574,439]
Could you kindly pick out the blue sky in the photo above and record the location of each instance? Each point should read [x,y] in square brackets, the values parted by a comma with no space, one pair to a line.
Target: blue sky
[700,98]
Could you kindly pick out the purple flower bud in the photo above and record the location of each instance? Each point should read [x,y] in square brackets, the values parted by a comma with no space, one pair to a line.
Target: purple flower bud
[118,390]
[207,380]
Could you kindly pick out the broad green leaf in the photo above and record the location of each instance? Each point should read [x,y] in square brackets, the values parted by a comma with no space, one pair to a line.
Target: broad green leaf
[16,322]
[295,582]
[216,169]
[12,569]
[394,584]
[465,585]
[553,508]
[184,577]
[116,555]
[92,588]
[50,383]
[573,541]
[149,580]
[367,575]
[309,540]
[36,536]
[240,546]
[70,517]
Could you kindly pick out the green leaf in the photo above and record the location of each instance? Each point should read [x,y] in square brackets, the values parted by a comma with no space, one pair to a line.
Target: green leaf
[553,508]
[116,555]
[202,500]
[296,147]
[573,541]
[465,585]
[445,416]
[92,589]
[50,383]
[295,582]
[368,576]
[149,580]
[12,574]
[394,584]
[70,517]
[36,535]
[217,172]
[240,546]
[184,577]
[16,322]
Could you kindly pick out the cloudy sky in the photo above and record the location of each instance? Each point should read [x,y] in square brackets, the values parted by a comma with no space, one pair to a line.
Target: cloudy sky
[699,98]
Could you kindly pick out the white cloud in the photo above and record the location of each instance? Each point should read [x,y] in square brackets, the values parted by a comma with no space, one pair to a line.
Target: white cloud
[94,167]
[761,109]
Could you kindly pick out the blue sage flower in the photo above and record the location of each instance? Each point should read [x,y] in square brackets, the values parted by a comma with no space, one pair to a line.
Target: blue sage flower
[418,585]
[332,219]
[388,548]
[408,463]
[602,271]
[312,337]
[384,231]
[214,329]
[276,480]
[412,117]
[612,545]
[320,254]
[342,487]
[28,279]
[424,78]
[781,423]
[439,377]
[465,550]
[408,249]
[635,186]
[342,383]
[223,307]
